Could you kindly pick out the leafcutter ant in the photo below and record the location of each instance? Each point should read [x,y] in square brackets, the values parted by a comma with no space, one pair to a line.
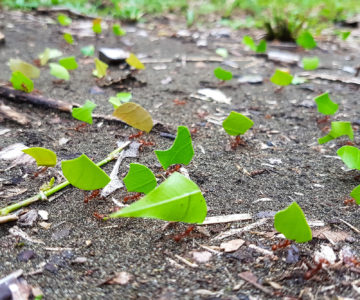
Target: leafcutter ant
[180,236]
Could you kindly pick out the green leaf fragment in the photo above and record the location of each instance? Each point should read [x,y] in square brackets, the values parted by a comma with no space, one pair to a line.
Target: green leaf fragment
[345,35]
[59,71]
[84,113]
[140,179]
[64,20]
[310,63]
[48,54]
[338,129]
[291,222]
[134,62]
[355,193]
[261,47]
[222,74]
[82,173]
[306,40]
[88,50]
[325,105]
[25,68]
[222,52]
[120,99]
[248,41]
[100,68]
[181,152]
[44,157]
[237,123]
[177,199]
[48,185]
[97,26]
[350,156]
[298,80]
[21,82]
[281,78]
[68,38]
[69,63]
[118,30]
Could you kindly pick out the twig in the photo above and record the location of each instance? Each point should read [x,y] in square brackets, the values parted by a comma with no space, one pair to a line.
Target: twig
[351,226]
[185,261]
[239,230]
[11,94]
[226,219]
[248,276]
[43,195]
[13,115]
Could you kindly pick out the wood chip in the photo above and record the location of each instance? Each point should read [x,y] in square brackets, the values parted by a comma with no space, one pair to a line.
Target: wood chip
[240,230]
[16,231]
[8,218]
[262,250]
[13,115]
[343,79]
[252,279]
[121,278]
[226,219]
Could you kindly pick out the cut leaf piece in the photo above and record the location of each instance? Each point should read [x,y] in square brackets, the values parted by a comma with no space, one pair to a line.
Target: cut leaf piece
[25,68]
[306,40]
[222,52]
[120,99]
[338,129]
[118,30]
[97,26]
[100,68]
[44,157]
[281,78]
[134,115]
[59,71]
[134,62]
[88,50]
[69,63]
[21,82]
[325,105]
[84,113]
[48,54]
[68,38]
[222,74]
[64,20]
[350,156]
[291,222]
[177,199]
[140,179]
[237,123]
[355,193]
[260,48]
[181,152]
[310,63]
[82,173]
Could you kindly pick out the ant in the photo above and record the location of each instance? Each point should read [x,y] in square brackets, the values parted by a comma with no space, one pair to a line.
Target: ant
[349,201]
[98,216]
[80,126]
[93,195]
[145,143]
[180,236]
[193,131]
[234,143]
[323,120]
[309,274]
[41,171]
[281,245]
[132,197]
[173,169]
[136,135]
[179,102]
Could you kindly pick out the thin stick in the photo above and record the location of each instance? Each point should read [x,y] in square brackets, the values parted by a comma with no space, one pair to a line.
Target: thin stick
[43,195]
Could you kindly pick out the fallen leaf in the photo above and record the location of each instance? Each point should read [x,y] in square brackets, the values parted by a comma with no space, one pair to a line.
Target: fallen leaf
[121,278]
[232,246]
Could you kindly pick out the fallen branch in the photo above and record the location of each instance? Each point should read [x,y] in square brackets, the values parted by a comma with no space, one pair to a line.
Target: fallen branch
[43,195]
[11,94]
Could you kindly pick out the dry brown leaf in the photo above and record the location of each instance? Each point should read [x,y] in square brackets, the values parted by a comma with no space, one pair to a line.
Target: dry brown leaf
[232,245]
[326,233]
[134,115]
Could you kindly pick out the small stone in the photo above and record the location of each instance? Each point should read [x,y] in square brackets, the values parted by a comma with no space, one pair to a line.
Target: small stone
[113,55]
[201,256]
[51,268]
[26,255]
[79,260]
[45,225]
[43,214]
[88,243]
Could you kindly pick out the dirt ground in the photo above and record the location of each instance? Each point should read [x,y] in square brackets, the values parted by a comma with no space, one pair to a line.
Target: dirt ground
[281,162]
